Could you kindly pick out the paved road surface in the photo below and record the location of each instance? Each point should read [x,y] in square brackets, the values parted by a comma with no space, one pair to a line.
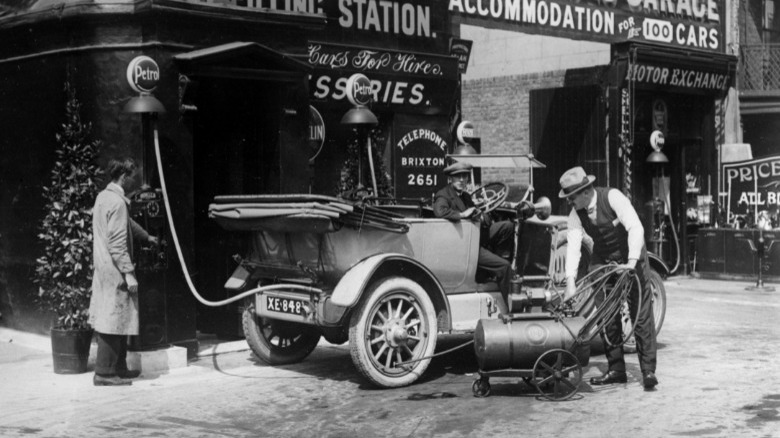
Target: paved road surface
[718,377]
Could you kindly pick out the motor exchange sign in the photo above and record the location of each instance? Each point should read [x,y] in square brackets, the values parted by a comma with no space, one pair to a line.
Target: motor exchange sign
[689,24]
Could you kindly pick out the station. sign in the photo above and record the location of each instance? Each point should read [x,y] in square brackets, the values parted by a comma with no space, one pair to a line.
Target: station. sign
[143,74]
[418,19]
[420,151]
[752,186]
[689,24]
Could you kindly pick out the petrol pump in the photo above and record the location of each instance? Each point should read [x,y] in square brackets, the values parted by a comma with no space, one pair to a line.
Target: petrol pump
[166,310]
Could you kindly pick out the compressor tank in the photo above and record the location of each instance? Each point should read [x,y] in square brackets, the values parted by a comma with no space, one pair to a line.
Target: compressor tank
[517,342]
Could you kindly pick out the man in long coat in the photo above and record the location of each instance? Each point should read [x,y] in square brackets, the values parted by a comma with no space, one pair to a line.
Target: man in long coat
[113,308]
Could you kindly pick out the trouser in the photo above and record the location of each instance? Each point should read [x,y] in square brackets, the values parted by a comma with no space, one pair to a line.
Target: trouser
[111,354]
[644,328]
[499,235]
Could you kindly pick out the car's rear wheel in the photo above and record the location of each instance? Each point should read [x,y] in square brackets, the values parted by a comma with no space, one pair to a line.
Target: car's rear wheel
[395,323]
[278,342]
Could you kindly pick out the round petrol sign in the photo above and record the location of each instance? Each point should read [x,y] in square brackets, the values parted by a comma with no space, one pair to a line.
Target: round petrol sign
[316,132]
[359,89]
[465,131]
[657,140]
[143,73]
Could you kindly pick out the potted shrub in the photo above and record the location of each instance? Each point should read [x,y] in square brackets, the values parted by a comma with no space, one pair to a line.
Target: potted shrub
[64,272]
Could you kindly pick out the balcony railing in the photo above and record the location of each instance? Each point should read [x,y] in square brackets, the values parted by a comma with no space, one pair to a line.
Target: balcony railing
[759,67]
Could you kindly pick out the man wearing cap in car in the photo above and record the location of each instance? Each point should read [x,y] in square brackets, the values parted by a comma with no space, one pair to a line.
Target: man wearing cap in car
[607,217]
[454,203]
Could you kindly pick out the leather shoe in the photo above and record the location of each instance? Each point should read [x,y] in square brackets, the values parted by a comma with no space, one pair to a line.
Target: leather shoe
[129,374]
[649,379]
[609,378]
[110,381]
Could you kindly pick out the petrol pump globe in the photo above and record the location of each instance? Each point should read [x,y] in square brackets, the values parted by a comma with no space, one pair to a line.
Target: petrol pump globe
[657,143]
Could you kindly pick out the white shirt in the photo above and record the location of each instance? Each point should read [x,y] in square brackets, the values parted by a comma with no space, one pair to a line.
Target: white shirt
[626,215]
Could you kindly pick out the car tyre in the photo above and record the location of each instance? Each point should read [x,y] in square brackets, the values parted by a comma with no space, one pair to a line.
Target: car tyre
[395,323]
[278,342]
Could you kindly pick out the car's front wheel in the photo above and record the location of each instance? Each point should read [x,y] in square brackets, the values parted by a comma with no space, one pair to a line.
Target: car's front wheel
[278,342]
[393,333]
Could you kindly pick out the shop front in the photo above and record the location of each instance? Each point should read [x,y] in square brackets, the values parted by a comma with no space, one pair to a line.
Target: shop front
[665,138]
[649,120]
[252,100]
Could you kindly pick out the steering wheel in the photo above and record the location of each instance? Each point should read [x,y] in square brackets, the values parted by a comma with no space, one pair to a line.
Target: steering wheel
[489,196]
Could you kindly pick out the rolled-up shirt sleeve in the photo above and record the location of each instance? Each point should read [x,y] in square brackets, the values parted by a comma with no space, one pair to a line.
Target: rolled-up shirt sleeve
[574,238]
[627,216]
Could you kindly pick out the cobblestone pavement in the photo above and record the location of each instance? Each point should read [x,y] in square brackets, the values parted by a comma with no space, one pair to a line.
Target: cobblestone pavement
[717,366]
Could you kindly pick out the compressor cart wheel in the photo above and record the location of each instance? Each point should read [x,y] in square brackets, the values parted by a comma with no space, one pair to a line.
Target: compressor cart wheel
[278,342]
[393,332]
[481,387]
[557,375]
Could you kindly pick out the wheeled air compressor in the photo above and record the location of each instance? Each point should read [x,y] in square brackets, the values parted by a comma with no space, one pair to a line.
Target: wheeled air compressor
[541,348]
[546,341]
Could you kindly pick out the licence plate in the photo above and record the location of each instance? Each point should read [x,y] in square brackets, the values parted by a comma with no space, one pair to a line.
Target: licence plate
[284,305]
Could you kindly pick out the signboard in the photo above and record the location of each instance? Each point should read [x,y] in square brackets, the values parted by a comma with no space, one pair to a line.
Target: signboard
[678,77]
[316,132]
[418,19]
[465,132]
[143,74]
[461,49]
[752,186]
[420,150]
[359,90]
[688,24]
[399,81]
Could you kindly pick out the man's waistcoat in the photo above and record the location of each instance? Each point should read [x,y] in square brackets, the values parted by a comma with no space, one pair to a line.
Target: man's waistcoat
[610,238]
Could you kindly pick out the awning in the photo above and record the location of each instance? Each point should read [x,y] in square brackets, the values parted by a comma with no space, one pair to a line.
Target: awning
[519,161]
[242,60]
[759,102]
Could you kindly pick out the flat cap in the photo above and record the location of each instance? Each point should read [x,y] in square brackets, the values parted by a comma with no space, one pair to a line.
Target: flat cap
[457,167]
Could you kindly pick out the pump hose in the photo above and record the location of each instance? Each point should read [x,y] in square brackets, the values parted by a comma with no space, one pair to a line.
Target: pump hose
[185,271]
[612,283]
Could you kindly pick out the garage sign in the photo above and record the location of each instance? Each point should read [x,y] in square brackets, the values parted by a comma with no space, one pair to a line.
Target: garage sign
[690,24]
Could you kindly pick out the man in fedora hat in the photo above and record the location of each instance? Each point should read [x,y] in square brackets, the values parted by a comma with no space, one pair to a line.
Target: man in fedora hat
[606,216]
[454,203]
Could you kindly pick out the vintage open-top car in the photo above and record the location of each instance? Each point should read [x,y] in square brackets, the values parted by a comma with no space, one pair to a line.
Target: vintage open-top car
[387,278]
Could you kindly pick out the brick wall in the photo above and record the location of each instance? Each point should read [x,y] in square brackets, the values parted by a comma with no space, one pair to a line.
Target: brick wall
[499,109]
